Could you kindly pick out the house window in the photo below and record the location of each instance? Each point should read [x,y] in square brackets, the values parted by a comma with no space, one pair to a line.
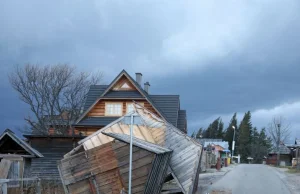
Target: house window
[14,173]
[130,107]
[113,109]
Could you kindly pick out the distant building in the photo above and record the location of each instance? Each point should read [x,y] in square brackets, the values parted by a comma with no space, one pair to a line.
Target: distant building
[285,156]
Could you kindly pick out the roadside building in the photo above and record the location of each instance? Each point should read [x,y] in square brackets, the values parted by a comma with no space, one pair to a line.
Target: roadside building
[285,156]
[16,160]
[295,152]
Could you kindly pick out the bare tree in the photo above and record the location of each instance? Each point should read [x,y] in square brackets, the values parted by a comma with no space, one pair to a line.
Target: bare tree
[279,131]
[56,94]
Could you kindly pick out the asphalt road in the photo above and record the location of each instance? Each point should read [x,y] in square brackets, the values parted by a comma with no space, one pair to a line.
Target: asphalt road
[250,179]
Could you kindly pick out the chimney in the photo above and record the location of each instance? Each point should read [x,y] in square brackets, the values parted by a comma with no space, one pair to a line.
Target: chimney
[146,87]
[138,78]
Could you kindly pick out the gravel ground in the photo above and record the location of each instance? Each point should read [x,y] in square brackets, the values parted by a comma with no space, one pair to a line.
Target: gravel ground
[291,180]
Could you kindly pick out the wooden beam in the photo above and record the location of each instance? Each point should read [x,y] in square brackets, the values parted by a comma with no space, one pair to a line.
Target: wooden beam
[15,156]
[4,168]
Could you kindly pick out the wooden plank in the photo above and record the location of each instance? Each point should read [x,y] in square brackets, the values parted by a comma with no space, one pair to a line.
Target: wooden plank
[4,168]
[80,187]
[62,180]
[136,164]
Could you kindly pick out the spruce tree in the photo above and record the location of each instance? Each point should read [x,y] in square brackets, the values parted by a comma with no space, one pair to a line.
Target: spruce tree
[220,129]
[199,133]
[215,128]
[244,138]
[265,141]
[193,134]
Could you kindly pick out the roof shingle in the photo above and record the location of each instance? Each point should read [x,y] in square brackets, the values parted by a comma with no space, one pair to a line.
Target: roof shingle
[168,105]
[181,123]
[96,121]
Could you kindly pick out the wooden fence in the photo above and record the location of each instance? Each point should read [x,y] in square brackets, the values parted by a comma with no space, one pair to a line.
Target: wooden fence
[32,185]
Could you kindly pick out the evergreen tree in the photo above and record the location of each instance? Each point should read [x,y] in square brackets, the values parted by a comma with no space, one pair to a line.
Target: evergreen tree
[265,141]
[244,138]
[199,133]
[220,129]
[228,136]
[209,131]
[260,145]
[215,128]
[193,134]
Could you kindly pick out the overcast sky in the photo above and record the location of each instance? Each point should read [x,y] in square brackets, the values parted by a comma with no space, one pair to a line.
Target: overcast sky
[220,56]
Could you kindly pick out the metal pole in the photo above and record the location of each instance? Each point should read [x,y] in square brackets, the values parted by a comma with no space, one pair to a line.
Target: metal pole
[130,155]
[278,147]
[233,144]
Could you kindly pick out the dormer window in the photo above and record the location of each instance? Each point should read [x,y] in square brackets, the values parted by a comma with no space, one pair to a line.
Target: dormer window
[113,109]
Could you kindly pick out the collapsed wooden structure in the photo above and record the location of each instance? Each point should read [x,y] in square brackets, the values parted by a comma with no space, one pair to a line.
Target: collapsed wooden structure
[148,129]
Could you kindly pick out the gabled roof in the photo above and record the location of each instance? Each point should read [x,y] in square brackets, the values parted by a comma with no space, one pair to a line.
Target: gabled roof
[33,152]
[109,87]
[283,149]
[168,106]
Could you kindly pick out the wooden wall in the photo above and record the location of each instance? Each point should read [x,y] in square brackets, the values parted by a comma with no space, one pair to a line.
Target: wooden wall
[106,168]
[99,108]
[53,150]
[272,159]
[86,131]
[120,83]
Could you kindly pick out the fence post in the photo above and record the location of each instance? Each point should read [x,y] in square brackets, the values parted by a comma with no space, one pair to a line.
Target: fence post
[4,188]
[38,186]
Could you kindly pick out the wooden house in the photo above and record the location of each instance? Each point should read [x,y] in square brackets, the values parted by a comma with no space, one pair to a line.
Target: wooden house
[16,158]
[104,169]
[106,103]
[285,156]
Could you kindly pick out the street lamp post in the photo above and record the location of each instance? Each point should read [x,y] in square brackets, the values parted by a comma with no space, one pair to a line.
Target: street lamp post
[233,143]
[278,144]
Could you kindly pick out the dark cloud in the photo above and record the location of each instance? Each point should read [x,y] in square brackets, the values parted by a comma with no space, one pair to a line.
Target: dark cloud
[221,57]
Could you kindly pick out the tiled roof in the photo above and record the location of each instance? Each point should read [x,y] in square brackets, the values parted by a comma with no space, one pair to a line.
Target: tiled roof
[96,121]
[168,105]
[283,149]
[93,94]
[181,122]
